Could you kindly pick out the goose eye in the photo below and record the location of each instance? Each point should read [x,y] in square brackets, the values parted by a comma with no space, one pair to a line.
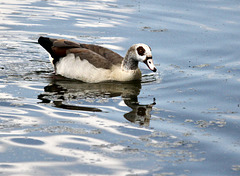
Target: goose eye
[140,50]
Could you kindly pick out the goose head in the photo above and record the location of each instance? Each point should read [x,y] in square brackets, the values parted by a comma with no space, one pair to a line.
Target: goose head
[139,53]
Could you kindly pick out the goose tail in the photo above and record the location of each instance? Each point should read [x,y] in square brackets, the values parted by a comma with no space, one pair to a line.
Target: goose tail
[47,44]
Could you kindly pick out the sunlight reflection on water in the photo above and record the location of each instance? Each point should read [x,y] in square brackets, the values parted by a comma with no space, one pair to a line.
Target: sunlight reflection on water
[179,121]
[58,140]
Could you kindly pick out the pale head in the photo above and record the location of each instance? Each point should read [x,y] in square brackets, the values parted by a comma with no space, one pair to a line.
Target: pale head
[143,54]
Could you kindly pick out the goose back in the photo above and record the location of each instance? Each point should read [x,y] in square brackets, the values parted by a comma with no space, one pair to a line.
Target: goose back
[98,56]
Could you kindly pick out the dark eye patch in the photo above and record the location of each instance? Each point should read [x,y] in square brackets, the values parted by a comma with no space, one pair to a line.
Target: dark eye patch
[140,50]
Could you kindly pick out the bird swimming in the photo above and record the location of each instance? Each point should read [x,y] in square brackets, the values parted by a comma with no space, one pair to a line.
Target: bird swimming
[92,63]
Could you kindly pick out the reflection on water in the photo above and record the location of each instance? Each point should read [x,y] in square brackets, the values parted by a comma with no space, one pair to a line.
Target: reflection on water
[79,129]
[140,113]
[73,95]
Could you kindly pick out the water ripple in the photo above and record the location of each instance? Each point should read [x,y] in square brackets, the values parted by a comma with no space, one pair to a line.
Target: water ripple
[179,121]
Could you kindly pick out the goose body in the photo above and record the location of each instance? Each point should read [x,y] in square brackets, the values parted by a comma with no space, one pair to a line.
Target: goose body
[93,63]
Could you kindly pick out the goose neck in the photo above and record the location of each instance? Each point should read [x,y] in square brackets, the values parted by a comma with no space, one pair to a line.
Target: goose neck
[129,63]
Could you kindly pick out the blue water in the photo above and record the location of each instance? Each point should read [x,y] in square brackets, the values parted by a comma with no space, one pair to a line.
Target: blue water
[182,120]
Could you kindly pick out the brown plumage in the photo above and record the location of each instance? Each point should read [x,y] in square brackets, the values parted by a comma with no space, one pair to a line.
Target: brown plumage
[98,56]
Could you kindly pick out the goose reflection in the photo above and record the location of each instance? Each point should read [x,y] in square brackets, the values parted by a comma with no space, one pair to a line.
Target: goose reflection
[66,94]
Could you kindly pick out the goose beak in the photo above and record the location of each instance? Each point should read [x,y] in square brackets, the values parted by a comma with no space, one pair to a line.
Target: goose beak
[149,62]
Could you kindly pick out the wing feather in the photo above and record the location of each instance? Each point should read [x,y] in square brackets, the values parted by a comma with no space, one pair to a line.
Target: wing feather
[98,56]
[62,43]
[95,59]
[108,54]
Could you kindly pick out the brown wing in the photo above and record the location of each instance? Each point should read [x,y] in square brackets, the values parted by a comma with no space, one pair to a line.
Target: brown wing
[98,56]
[60,47]
[62,43]
[92,57]
[108,54]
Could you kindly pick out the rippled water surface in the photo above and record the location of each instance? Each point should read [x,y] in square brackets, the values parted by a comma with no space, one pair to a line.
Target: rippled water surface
[182,120]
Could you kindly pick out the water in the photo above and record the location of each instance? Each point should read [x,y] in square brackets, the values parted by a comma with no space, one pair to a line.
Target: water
[183,120]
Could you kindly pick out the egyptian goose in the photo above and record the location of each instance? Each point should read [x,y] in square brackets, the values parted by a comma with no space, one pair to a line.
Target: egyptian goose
[92,63]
